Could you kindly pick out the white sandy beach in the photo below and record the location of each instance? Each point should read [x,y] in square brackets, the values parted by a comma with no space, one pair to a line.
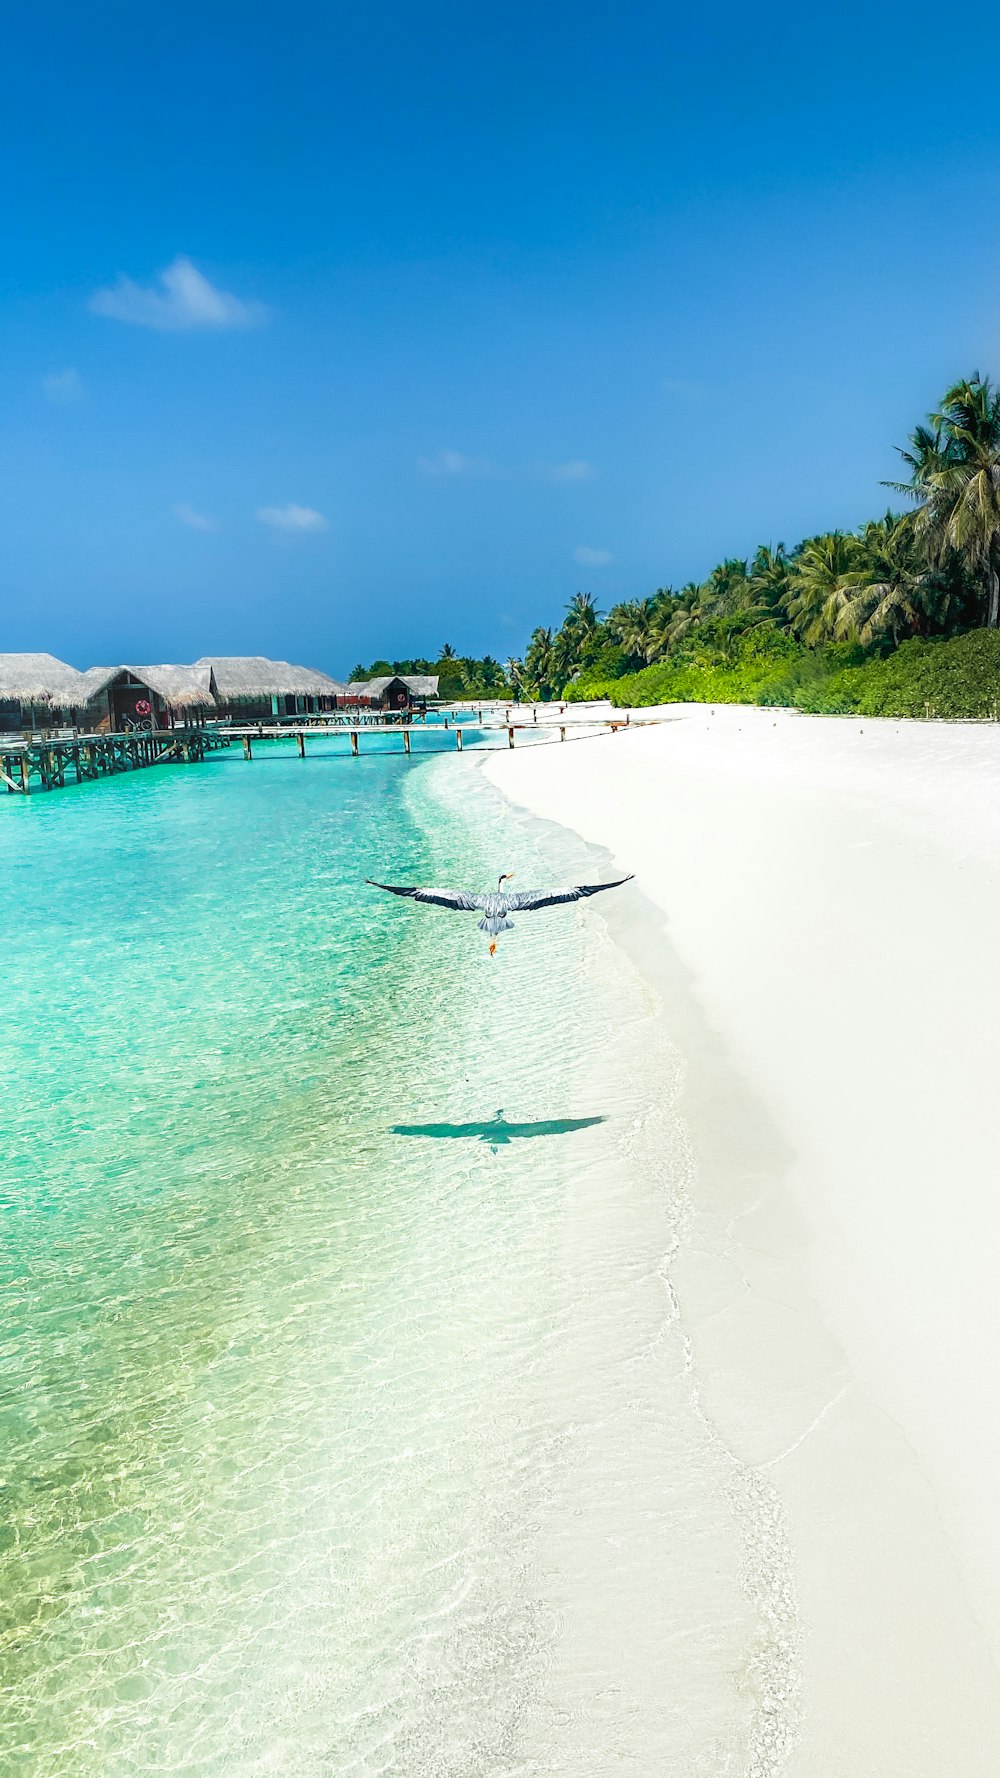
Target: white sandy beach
[829,890]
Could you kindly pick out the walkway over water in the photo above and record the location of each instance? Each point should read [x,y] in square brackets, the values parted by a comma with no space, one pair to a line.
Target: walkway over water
[41,761]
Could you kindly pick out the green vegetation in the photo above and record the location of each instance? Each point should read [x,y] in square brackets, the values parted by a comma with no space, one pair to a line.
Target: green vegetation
[460,676]
[898,618]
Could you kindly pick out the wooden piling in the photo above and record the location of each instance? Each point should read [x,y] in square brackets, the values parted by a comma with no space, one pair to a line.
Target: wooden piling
[354,742]
[406,740]
[458,738]
[25,774]
[562,731]
[301,741]
[247,747]
[510,737]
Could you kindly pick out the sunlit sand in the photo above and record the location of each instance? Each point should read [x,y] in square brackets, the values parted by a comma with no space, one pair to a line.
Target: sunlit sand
[821,894]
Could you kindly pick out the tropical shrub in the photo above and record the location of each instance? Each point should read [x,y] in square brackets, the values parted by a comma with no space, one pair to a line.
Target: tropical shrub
[956,678]
[880,620]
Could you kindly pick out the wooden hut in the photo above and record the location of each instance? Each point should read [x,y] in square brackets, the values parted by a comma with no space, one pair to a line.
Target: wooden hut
[396,691]
[253,688]
[131,697]
[38,691]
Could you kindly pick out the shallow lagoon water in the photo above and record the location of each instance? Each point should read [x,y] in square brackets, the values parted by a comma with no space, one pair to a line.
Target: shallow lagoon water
[348,1420]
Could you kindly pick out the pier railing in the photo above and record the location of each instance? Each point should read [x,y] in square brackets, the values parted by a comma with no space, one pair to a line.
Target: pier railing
[44,762]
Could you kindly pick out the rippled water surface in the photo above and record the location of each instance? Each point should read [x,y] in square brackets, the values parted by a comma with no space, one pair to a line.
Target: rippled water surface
[347,1423]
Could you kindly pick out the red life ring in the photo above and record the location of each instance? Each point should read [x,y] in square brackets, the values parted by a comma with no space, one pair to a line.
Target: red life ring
[142,706]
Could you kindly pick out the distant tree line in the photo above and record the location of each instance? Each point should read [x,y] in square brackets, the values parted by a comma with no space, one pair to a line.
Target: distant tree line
[882,618]
[459,676]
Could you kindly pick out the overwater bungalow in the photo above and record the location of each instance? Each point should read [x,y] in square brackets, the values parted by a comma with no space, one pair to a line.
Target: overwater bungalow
[126,698]
[251,687]
[397,691]
[39,691]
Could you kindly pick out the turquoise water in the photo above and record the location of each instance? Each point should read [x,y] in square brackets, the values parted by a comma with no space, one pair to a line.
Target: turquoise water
[345,1426]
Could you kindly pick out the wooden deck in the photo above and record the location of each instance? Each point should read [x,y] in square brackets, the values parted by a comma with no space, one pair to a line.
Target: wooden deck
[42,763]
[260,731]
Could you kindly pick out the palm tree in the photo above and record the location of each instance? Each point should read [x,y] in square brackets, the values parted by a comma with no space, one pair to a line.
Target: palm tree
[885,595]
[582,609]
[566,658]
[955,474]
[898,592]
[633,626]
[726,589]
[819,585]
[578,635]
[769,573]
[926,455]
[541,666]
[515,674]
[678,614]
[447,653]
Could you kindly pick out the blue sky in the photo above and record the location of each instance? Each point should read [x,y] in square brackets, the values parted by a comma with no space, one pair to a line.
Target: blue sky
[332,331]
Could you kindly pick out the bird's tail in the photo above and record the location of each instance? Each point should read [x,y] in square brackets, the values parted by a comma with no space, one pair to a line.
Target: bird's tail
[494,923]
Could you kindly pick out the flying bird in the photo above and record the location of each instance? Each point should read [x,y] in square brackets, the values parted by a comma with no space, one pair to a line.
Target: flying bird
[497,903]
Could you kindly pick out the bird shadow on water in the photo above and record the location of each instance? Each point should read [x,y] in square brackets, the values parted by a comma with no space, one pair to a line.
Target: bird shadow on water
[496,1131]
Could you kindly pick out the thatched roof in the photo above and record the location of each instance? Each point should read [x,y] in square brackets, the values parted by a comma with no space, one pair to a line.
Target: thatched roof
[182,688]
[242,677]
[37,678]
[319,684]
[420,685]
[96,679]
[41,678]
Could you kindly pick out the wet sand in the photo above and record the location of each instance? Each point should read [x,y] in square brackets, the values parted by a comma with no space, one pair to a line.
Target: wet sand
[826,967]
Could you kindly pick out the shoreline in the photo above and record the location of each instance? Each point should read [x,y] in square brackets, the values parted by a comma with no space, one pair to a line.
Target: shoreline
[659,1543]
[763,851]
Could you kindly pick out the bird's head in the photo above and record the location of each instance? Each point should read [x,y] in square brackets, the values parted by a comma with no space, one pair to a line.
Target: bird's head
[506,876]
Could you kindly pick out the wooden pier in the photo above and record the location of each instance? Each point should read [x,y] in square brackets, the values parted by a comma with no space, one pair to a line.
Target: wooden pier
[43,763]
[261,731]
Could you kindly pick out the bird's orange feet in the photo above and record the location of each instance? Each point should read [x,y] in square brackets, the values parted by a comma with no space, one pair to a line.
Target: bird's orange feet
[493,948]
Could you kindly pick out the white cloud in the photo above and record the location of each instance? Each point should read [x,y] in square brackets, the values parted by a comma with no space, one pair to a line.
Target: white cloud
[592,558]
[184,300]
[577,470]
[292,518]
[447,463]
[195,521]
[63,387]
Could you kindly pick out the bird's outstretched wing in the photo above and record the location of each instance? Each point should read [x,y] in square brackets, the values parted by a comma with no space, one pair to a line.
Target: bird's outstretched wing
[456,899]
[528,899]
